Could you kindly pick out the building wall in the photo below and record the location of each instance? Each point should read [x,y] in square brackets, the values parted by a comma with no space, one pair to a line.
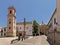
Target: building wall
[28,28]
[52,25]
[58,14]
[43,28]
[19,28]
[54,35]
[11,27]
[58,22]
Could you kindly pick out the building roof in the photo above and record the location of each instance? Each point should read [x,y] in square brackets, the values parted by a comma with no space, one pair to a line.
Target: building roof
[23,23]
[11,7]
[52,15]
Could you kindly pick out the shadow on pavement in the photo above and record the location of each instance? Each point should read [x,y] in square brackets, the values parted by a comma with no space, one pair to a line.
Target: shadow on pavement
[50,41]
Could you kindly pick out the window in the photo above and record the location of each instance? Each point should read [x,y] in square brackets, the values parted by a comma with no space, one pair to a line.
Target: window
[1,31]
[9,27]
[54,20]
[1,34]
[20,27]
[4,34]
[10,22]
[4,29]
[55,29]
[10,11]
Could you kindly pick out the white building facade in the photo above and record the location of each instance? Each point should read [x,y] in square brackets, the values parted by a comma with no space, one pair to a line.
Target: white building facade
[28,27]
[3,32]
[19,28]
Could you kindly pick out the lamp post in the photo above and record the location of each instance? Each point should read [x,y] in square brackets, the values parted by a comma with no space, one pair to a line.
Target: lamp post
[24,26]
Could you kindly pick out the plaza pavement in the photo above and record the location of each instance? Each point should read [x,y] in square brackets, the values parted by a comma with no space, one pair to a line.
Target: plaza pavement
[6,40]
[38,40]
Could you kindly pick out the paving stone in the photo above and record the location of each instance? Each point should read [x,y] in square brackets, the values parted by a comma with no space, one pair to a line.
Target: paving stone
[38,40]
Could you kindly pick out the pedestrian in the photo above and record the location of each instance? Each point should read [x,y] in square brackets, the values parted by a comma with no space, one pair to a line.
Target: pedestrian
[23,36]
[18,36]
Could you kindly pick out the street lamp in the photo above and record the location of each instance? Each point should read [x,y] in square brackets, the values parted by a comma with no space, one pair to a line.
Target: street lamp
[24,26]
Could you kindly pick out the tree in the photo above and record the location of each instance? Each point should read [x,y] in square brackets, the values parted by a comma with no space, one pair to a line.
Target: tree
[35,28]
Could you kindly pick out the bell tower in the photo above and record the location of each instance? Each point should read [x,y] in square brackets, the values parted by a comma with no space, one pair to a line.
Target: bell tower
[11,27]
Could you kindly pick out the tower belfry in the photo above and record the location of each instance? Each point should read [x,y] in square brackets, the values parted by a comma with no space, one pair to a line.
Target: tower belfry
[11,27]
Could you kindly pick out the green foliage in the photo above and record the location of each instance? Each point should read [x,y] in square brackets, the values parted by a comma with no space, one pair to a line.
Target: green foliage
[35,27]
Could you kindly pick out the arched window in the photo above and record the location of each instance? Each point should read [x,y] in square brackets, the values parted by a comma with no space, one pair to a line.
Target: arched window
[9,27]
[10,22]
[20,27]
[4,29]
[10,11]
[4,34]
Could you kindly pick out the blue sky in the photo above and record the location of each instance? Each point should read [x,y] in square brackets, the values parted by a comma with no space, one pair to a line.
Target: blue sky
[30,9]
